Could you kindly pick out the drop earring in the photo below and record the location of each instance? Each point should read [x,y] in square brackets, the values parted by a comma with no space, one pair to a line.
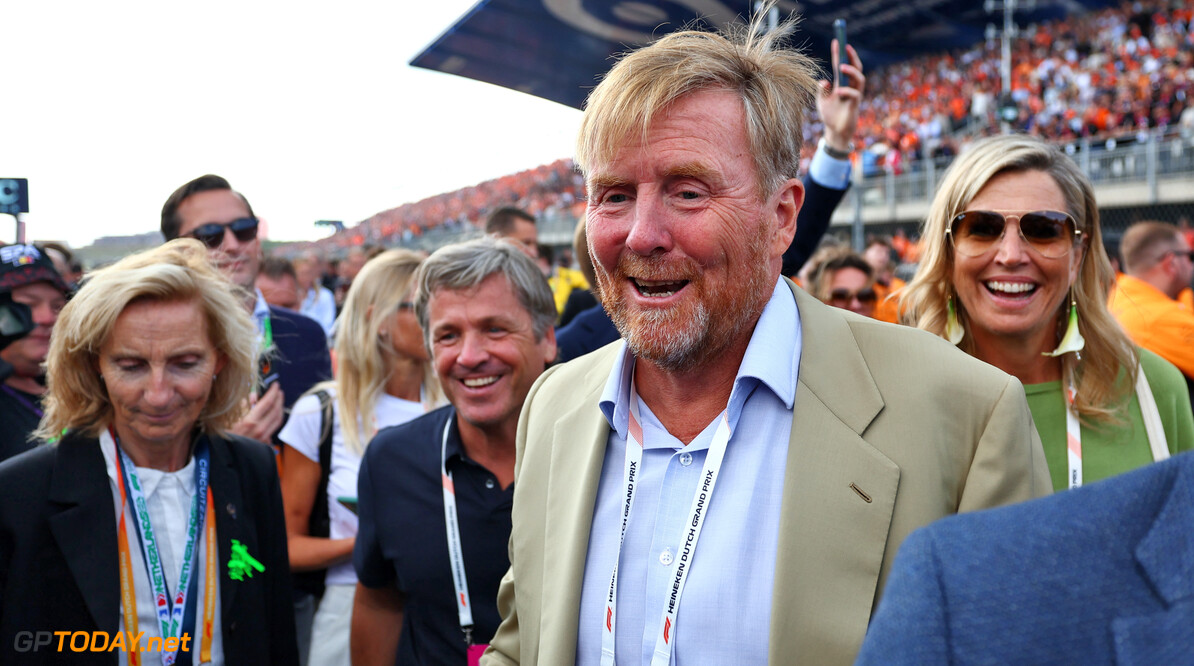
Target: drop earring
[953,328]
[1071,340]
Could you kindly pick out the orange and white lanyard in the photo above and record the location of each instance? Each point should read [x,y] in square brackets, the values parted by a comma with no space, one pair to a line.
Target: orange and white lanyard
[174,618]
[1073,438]
[696,520]
[464,608]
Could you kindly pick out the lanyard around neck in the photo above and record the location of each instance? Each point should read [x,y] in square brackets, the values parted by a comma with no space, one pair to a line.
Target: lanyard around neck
[1073,437]
[464,608]
[701,498]
[175,613]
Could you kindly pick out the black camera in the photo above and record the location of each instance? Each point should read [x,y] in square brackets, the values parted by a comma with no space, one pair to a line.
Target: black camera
[16,321]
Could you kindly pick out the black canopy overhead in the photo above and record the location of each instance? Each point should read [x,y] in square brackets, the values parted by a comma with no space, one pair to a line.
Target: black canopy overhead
[558,49]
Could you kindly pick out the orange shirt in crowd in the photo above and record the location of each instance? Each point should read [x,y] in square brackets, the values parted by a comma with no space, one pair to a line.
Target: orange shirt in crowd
[1155,321]
[888,309]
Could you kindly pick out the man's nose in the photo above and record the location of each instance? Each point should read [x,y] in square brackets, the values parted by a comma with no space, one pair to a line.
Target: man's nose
[474,350]
[44,314]
[649,232]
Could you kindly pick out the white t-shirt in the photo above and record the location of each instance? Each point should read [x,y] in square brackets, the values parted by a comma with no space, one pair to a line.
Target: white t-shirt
[302,432]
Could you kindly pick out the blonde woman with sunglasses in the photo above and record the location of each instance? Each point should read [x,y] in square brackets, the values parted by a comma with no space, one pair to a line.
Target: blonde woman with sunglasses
[383,378]
[1014,273]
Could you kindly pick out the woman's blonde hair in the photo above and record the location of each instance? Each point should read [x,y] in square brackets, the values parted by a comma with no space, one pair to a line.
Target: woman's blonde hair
[77,399]
[1101,388]
[363,360]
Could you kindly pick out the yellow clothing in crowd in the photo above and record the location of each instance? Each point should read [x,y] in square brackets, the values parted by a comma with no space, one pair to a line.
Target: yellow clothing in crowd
[1154,321]
[563,282]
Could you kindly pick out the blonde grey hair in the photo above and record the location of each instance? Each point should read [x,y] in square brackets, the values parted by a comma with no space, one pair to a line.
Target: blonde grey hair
[465,265]
[777,86]
[1101,389]
[77,399]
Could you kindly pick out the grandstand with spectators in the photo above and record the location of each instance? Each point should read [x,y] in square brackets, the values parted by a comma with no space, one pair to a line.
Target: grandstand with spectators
[1112,85]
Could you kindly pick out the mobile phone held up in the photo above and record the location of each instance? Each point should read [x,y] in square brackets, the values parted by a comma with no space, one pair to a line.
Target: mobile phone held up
[839,33]
[266,371]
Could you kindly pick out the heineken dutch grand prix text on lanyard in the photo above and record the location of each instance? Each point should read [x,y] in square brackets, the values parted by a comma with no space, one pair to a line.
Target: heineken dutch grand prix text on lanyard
[696,520]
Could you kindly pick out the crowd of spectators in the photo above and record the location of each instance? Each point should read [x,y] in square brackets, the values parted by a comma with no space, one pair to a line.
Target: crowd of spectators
[1109,74]
[548,189]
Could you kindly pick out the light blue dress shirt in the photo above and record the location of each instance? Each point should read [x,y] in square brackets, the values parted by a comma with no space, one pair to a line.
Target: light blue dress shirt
[724,614]
[829,171]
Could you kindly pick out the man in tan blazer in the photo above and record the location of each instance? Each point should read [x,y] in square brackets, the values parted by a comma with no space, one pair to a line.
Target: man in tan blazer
[821,438]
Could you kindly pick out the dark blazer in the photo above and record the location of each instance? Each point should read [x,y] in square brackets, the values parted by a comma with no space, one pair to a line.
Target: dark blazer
[589,330]
[301,358]
[58,551]
[1103,574]
[811,223]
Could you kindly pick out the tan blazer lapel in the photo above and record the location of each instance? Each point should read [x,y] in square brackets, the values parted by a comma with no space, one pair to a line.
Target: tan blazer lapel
[839,495]
[571,499]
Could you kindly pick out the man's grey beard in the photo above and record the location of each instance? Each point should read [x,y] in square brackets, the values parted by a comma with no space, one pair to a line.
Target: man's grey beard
[679,352]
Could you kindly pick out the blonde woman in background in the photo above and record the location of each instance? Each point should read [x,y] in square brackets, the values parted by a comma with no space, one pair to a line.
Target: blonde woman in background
[383,378]
[1014,273]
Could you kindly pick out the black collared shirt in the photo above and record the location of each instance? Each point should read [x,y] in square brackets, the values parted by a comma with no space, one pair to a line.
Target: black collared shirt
[403,540]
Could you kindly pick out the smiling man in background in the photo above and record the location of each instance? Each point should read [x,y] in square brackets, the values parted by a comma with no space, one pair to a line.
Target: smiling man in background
[487,316]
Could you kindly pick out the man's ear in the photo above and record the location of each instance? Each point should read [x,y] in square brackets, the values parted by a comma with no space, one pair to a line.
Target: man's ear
[786,203]
[548,344]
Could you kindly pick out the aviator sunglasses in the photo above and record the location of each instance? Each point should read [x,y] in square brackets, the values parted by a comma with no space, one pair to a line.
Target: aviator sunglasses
[864,295]
[212,234]
[1051,233]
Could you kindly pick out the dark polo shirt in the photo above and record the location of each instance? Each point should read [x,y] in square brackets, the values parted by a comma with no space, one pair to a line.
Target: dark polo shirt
[403,540]
[20,413]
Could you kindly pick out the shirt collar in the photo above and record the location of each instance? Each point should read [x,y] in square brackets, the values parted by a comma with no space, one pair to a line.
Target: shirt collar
[260,308]
[776,338]
[455,448]
[149,478]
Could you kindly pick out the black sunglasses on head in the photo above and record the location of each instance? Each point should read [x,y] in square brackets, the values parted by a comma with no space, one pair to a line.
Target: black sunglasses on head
[212,234]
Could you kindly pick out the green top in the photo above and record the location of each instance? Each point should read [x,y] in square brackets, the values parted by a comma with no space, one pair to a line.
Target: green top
[1108,450]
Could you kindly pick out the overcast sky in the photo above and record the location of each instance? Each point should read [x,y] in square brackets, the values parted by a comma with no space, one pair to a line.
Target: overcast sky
[308,108]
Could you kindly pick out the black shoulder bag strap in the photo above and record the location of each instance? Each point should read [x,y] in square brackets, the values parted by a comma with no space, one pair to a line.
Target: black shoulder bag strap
[319,524]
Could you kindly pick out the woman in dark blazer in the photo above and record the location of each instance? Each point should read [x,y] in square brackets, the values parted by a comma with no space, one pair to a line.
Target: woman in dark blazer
[141,520]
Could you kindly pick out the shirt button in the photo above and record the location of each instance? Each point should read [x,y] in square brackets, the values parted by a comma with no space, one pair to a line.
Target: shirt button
[489,483]
[686,459]
[665,558]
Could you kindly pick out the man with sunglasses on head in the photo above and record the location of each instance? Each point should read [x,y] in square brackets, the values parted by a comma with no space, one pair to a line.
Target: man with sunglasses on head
[1158,265]
[293,348]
